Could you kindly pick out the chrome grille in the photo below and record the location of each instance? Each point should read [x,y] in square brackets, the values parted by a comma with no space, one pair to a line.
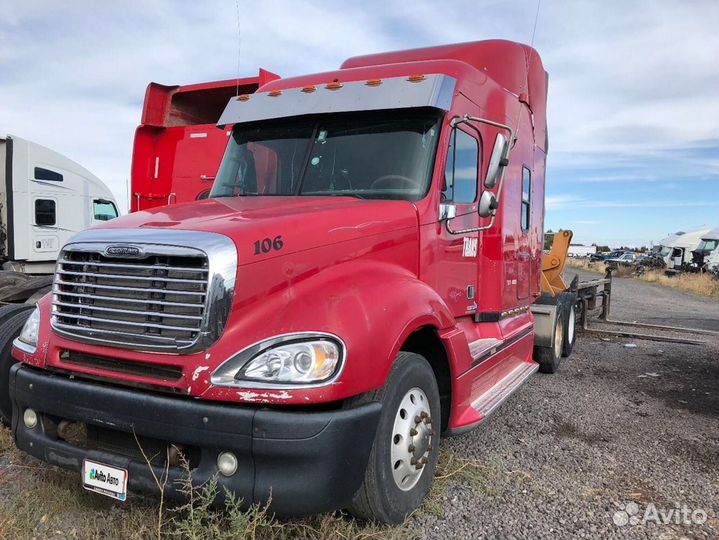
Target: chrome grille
[148,289]
[159,300]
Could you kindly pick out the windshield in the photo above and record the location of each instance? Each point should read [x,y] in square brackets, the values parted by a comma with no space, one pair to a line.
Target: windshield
[386,155]
[708,245]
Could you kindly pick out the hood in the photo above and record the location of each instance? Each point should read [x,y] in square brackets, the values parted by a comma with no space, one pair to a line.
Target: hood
[254,223]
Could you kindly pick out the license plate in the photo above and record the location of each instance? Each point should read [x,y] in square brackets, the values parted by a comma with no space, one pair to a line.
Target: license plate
[104,479]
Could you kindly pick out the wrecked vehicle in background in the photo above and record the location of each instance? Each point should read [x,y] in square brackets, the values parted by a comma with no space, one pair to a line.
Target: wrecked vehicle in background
[705,258]
[676,249]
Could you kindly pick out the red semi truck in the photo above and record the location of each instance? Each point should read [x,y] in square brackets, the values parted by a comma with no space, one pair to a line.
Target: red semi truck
[177,146]
[363,277]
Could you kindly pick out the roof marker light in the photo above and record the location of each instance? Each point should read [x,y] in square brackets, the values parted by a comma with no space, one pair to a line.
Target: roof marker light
[309,89]
[274,93]
[243,97]
[416,78]
[374,82]
[334,85]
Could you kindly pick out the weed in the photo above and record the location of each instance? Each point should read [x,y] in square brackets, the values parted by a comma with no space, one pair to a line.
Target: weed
[701,284]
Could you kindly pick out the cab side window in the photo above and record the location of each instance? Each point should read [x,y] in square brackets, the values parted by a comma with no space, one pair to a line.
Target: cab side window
[460,173]
[45,215]
[526,197]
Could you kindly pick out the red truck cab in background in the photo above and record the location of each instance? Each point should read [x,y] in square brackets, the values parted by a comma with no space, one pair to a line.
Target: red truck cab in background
[361,278]
[177,146]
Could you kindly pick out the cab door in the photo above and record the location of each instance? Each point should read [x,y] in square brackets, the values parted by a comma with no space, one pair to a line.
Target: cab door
[458,251]
[524,252]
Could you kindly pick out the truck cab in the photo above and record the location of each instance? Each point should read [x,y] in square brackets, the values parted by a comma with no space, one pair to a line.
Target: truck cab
[45,198]
[361,278]
[177,145]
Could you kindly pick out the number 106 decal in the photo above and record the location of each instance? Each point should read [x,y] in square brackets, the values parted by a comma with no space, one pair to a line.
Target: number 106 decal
[268,244]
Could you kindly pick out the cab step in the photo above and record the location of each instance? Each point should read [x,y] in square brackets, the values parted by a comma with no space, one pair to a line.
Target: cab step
[482,347]
[497,394]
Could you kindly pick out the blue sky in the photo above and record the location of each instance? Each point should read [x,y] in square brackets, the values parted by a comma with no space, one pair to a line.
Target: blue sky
[633,92]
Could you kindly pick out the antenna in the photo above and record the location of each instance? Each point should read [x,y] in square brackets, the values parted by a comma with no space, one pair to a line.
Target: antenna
[528,63]
[239,46]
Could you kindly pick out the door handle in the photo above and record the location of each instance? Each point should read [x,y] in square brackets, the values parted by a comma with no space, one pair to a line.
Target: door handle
[171,198]
[206,178]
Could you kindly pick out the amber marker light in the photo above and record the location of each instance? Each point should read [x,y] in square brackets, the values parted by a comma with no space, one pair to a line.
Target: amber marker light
[416,78]
[335,85]
[243,97]
[309,89]
[274,93]
[374,82]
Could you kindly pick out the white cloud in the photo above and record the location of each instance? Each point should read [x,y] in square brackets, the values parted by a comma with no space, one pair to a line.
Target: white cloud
[628,80]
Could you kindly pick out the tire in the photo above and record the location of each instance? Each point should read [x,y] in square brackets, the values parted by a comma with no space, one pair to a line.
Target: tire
[549,358]
[567,302]
[388,494]
[7,311]
[9,330]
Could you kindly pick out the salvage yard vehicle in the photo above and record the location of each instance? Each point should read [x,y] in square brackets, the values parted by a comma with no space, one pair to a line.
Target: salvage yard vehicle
[45,198]
[366,274]
[676,249]
[705,258]
[177,146]
[625,259]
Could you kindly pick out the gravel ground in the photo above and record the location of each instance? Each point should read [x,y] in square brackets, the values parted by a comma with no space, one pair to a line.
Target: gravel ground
[616,429]
[619,434]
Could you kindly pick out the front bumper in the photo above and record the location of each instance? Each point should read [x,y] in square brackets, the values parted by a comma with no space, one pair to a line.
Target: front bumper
[302,462]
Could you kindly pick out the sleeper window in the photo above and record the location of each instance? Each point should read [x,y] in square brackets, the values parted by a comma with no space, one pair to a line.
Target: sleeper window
[45,212]
[526,197]
[46,174]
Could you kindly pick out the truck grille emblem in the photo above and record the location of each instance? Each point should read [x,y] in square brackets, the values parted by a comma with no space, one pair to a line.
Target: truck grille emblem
[123,251]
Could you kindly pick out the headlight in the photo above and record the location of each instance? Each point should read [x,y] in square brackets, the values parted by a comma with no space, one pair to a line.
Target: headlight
[293,359]
[31,329]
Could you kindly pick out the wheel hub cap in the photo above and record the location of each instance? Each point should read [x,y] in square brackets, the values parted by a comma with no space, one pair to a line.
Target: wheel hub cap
[411,439]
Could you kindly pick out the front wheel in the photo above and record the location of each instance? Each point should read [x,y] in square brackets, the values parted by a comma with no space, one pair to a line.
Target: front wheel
[404,454]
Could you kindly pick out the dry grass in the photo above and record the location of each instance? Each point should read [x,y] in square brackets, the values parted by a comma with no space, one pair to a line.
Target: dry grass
[701,284]
[41,501]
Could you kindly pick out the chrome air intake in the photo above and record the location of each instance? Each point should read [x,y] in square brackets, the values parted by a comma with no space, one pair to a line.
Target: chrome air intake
[145,289]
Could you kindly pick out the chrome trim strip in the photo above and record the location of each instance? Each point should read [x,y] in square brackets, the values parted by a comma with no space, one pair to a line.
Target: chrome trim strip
[434,90]
[24,347]
[256,348]
[163,314]
[136,266]
[128,277]
[222,261]
[121,288]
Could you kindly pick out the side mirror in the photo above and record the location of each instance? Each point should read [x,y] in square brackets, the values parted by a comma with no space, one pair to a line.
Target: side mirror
[497,161]
[488,204]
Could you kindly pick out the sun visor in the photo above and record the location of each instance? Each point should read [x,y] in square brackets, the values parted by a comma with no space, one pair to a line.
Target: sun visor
[377,94]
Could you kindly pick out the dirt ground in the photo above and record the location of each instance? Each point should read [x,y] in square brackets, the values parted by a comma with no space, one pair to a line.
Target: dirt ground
[623,442]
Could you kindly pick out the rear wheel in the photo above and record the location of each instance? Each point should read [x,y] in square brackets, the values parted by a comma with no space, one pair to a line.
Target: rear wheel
[404,454]
[9,330]
[550,357]
[567,304]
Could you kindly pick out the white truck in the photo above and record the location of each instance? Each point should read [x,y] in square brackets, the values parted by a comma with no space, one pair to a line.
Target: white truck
[45,198]
[580,250]
[676,249]
[706,255]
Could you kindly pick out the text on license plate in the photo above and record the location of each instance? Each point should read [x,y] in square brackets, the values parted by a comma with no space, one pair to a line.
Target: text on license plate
[104,479]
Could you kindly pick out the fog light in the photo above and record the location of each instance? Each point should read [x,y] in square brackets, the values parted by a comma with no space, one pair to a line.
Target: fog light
[29,418]
[227,463]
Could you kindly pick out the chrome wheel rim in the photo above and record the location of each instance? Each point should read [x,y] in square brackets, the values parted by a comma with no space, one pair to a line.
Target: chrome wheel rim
[411,442]
[572,322]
